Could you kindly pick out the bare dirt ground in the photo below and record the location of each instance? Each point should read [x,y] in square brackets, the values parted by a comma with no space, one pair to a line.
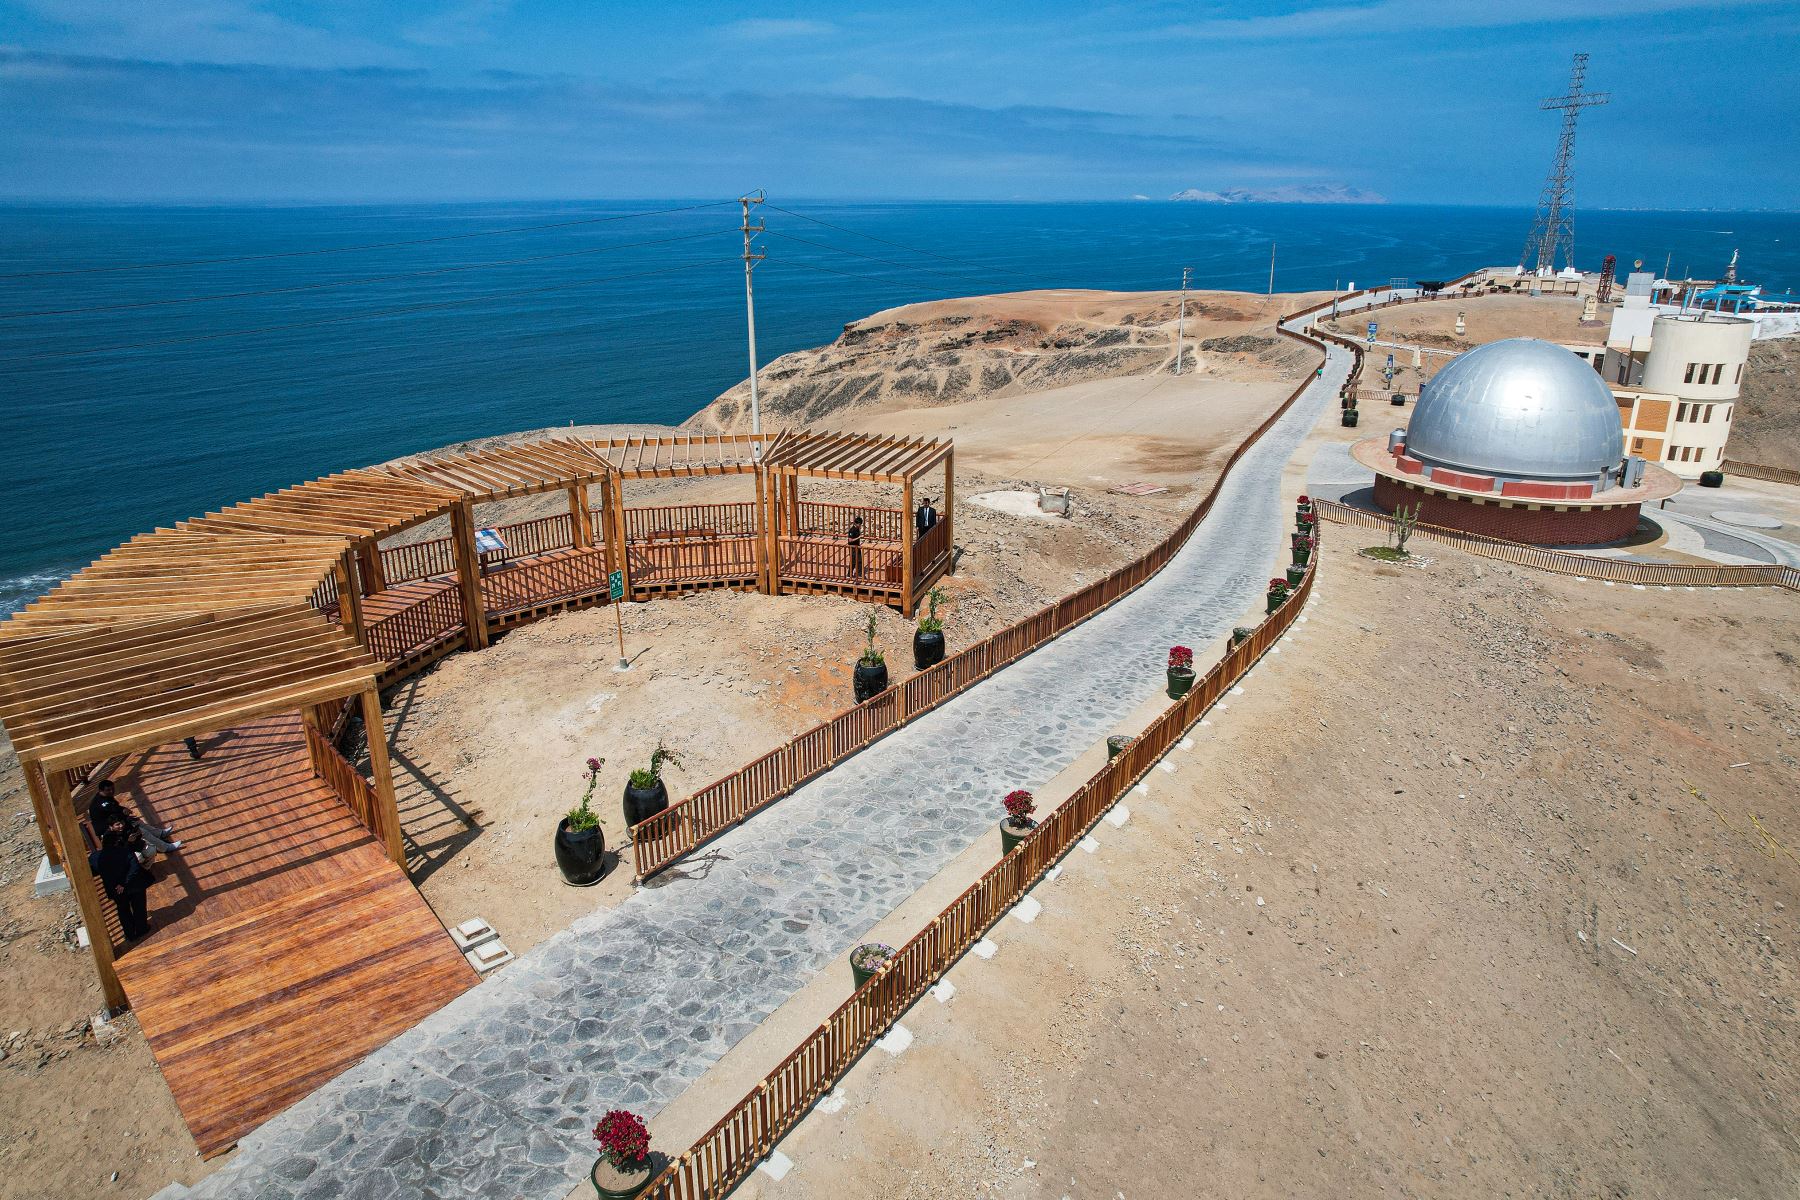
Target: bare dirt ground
[1765,428]
[1432,325]
[1486,886]
[488,748]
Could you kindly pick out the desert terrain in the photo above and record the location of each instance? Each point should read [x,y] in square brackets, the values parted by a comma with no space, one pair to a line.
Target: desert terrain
[1486,886]
[1765,429]
[487,748]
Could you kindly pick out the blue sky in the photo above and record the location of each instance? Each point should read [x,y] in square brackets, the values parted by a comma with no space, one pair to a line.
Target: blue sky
[1422,100]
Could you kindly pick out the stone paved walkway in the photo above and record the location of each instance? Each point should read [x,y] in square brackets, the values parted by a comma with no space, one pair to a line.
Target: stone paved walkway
[494,1095]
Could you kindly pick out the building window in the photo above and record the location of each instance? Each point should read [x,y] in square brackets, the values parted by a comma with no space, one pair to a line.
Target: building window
[1706,419]
[1637,443]
[1739,376]
[1689,377]
[1681,412]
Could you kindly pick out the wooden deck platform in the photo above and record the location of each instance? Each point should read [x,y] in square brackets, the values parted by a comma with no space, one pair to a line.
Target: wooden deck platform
[287,946]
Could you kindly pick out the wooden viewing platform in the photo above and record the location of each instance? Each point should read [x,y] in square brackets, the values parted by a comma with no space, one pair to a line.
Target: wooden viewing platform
[287,945]
[289,941]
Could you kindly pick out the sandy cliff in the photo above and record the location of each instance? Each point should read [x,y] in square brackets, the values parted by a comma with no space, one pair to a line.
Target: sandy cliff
[948,351]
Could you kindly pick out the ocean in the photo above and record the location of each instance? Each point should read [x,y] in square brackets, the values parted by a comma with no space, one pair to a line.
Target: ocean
[156,363]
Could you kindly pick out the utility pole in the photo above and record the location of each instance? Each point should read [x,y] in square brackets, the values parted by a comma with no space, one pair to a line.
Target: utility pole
[751,258]
[1181,321]
[1271,268]
[1553,231]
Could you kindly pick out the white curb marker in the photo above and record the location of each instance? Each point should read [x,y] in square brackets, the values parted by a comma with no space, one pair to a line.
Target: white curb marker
[942,990]
[1027,910]
[1088,844]
[896,1040]
[1118,816]
[776,1166]
[986,948]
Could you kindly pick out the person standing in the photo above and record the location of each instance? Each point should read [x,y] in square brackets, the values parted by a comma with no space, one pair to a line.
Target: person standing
[125,880]
[926,517]
[853,536]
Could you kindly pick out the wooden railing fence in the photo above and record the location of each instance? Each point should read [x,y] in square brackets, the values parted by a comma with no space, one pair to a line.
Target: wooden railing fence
[1567,562]
[709,520]
[539,581]
[818,519]
[820,560]
[692,560]
[680,828]
[930,548]
[357,793]
[417,560]
[746,1134]
[416,627]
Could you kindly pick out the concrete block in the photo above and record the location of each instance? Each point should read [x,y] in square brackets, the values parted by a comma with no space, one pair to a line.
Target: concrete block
[1088,844]
[50,880]
[986,948]
[1118,816]
[1027,910]
[489,955]
[896,1040]
[942,991]
[472,933]
[776,1166]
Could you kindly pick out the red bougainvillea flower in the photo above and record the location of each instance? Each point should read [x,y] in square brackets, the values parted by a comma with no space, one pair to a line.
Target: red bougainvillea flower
[1304,500]
[1019,805]
[593,764]
[1277,583]
[624,1139]
[1180,656]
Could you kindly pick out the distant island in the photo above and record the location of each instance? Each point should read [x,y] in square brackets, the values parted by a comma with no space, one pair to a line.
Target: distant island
[1310,193]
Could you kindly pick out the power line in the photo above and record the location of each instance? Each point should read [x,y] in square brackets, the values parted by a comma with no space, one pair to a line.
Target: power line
[377,313]
[344,283]
[451,237]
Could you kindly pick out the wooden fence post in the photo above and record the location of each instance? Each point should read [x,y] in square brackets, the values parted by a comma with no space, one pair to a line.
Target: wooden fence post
[383,776]
[81,882]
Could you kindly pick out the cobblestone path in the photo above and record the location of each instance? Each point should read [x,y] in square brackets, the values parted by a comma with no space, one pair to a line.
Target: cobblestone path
[494,1095]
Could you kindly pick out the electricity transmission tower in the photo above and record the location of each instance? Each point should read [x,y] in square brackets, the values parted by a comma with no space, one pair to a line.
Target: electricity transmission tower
[1553,232]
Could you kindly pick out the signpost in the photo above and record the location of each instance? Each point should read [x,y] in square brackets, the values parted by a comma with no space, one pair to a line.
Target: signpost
[615,589]
[1373,326]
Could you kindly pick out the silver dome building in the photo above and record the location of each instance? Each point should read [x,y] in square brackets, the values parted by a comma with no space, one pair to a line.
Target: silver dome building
[1519,409]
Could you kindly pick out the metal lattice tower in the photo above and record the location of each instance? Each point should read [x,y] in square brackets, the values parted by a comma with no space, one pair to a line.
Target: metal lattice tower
[1553,232]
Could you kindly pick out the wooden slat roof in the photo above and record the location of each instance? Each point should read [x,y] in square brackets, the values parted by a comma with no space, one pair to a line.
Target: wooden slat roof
[858,456]
[172,572]
[671,455]
[503,471]
[79,696]
[351,504]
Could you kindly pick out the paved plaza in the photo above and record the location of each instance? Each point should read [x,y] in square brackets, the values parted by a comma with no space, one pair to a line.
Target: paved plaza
[495,1094]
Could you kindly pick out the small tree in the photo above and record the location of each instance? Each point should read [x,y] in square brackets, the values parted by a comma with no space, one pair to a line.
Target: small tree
[930,622]
[1402,525]
[871,657]
[659,758]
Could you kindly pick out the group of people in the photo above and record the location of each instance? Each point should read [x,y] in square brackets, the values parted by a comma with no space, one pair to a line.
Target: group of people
[923,520]
[122,861]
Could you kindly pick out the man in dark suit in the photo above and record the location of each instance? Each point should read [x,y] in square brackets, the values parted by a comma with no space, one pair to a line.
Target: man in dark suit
[125,881]
[853,535]
[925,518]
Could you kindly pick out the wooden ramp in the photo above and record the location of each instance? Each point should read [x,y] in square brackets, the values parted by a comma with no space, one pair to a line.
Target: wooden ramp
[287,945]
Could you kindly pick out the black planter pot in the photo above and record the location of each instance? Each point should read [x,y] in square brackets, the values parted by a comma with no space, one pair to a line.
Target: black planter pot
[1295,574]
[1181,679]
[1011,835]
[871,680]
[1712,479]
[1276,596]
[643,803]
[1349,418]
[928,649]
[1115,745]
[580,854]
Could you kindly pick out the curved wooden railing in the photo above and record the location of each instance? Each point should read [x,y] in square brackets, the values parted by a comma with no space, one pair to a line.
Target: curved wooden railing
[1568,562]
[731,1149]
[417,628]
[830,561]
[679,829]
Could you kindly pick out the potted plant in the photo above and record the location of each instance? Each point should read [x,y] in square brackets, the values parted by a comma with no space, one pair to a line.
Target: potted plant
[1116,744]
[1018,822]
[1302,547]
[645,793]
[1278,591]
[1181,671]
[623,1169]
[580,845]
[928,642]
[871,669]
[1240,634]
[868,959]
[1295,573]
[1349,417]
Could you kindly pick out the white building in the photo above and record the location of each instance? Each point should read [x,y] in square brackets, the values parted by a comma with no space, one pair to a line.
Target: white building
[1676,378]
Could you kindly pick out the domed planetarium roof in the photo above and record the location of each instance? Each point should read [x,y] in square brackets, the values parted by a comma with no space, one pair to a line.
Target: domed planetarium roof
[1521,408]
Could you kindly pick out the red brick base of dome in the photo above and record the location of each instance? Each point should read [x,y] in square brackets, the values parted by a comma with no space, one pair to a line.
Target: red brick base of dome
[1538,524]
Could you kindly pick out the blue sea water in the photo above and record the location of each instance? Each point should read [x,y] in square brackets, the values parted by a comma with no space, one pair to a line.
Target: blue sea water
[156,363]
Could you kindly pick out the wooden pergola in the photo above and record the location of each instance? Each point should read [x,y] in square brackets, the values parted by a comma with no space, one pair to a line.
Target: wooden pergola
[86,695]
